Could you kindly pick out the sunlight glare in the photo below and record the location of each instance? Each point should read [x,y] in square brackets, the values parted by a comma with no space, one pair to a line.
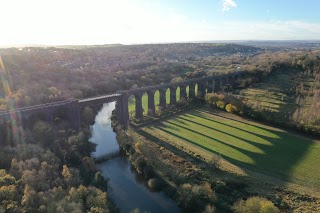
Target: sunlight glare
[14,118]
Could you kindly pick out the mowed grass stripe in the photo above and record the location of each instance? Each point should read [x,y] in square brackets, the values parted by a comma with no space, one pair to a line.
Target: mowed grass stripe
[204,142]
[215,136]
[201,127]
[245,143]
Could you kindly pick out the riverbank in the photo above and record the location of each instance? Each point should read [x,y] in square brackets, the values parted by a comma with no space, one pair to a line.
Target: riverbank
[199,180]
[127,189]
[144,158]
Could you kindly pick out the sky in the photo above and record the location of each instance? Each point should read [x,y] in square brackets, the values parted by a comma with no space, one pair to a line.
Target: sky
[75,22]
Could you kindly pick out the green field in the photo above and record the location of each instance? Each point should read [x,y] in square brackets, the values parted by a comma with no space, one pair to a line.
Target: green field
[245,143]
[276,94]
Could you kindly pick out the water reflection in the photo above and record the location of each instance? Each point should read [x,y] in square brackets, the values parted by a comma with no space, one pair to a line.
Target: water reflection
[102,133]
[126,188]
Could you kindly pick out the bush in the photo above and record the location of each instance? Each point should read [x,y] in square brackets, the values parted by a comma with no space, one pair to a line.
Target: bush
[148,172]
[159,111]
[230,103]
[221,104]
[88,115]
[140,164]
[155,183]
[213,98]
[209,209]
[215,162]
[232,109]
[137,145]
[100,182]
[43,133]
[136,210]
[182,103]
[255,205]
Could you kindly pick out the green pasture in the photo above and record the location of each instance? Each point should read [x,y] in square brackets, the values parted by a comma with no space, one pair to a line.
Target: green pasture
[245,143]
[276,94]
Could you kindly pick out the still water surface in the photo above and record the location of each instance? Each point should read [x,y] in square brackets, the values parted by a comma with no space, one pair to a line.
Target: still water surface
[126,188]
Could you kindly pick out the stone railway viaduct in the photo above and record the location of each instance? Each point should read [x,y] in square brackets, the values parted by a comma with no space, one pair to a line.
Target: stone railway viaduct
[73,107]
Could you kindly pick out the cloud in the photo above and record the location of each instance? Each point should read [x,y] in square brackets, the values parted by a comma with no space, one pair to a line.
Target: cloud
[228,4]
[260,30]
[102,23]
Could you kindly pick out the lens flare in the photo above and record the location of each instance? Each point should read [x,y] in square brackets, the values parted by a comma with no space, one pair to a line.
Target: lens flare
[15,131]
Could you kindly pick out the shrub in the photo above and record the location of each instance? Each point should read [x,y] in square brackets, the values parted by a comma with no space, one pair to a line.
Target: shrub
[230,108]
[136,210]
[159,111]
[148,172]
[255,205]
[213,98]
[182,103]
[6,179]
[88,115]
[209,209]
[215,162]
[100,182]
[221,104]
[155,183]
[230,103]
[140,164]
[185,195]
[268,207]
[43,133]
[137,145]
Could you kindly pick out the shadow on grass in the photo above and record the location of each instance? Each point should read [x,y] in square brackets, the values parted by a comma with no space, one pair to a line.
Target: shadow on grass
[217,140]
[202,135]
[199,112]
[168,146]
[212,120]
[278,159]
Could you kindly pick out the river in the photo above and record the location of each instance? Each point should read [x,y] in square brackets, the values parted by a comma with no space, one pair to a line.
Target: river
[127,189]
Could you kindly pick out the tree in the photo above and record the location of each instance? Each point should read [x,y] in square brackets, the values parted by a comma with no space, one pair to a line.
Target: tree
[54,91]
[255,205]
[71,176]
[30,198]
[88,115]
[100,182]
[43,133]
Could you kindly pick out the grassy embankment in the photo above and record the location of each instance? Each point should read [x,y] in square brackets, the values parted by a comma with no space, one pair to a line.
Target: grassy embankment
[276,95]
[247,144]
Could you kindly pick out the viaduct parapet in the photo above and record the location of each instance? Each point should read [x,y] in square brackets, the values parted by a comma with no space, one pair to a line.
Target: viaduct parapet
[73,107]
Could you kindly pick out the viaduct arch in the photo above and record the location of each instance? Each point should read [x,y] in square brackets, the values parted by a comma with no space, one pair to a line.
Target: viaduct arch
[73,107]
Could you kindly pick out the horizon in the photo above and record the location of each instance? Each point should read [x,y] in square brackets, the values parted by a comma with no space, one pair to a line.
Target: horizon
[54,23]
[177,42]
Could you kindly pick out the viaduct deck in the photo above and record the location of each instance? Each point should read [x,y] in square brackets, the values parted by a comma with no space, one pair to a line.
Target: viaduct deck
[73,107]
